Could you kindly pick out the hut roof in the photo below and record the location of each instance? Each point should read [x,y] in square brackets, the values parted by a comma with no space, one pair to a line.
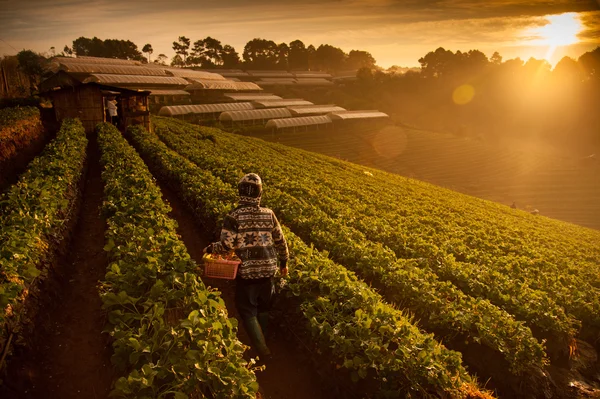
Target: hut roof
[315,109]
[345,115]
[280,103]
[172,110]
[190,73]
[255,114]
[169,93]
[110,69]
[95,60]
[251,96]
[221,85]
[295,122]
[136,80]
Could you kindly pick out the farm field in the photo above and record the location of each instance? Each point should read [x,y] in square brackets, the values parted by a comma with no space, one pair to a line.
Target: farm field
[560,186]
[397,287]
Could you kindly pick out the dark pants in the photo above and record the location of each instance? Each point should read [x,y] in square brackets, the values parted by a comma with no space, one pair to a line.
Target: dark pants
[254,296]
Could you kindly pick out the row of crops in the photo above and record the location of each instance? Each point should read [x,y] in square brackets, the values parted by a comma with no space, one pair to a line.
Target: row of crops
[355,331]
[35,215]
[477,274]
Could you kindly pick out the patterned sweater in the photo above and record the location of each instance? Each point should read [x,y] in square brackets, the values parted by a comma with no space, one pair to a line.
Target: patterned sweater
[255,234]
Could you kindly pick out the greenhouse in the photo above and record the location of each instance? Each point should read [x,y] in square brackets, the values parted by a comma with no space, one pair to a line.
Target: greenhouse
[357,115]
[196,112]
[254,116]
[251,96]
[314,109]
[299,124]
[137,81]
[280,103]
[117,69]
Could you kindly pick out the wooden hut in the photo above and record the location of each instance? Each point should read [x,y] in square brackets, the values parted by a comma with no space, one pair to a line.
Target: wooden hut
[71,98]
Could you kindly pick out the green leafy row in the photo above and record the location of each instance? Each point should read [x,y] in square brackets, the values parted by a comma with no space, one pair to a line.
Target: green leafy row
[296,176]
[172,336]
[18,127]
[439,305]
[353,327]
[34,216]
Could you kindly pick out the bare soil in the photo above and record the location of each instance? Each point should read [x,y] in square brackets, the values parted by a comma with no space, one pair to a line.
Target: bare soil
[290,374]
[69,356]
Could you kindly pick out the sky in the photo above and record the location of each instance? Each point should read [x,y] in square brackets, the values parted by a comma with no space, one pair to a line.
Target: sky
[395,32]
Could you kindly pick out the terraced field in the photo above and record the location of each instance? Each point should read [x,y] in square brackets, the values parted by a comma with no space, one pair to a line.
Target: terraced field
[560,186]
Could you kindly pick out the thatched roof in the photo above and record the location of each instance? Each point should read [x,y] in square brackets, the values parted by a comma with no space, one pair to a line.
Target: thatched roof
[136,80]
[315,109]
[172,110]
[357,115]
[255,114]
[280,103]
[297,122]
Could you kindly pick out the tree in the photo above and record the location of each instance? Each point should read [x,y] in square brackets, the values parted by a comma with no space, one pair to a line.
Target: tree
[177,61]
[207,52]
[181,48]
[148,50]
[261,54]
[590,62]
[437,63]
[311,55]
[230,57]
[496,58]
[32,65]
[161,59]
[297,56]
[68,51]
[358,59]
[109,48]
[330,58]
[283,52]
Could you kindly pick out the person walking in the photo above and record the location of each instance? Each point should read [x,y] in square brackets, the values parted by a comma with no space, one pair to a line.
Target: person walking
[254,233]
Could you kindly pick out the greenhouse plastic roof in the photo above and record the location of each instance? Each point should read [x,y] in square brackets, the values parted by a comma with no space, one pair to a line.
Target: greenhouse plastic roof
[314,82]
[190,73]
[136,80]
[221,85]
[95,60]
[169,93]
[111,69]
[280,103]
[357,115]
[255,114]
[172,110]
[280,74]
[315,109]
[295,122]
[251,96]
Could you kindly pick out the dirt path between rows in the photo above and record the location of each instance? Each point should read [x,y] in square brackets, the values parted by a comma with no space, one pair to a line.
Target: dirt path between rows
[70,357]
[290,375]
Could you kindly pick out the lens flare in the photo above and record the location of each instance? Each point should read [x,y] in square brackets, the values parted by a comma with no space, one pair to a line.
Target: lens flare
[463,94]
[561,30]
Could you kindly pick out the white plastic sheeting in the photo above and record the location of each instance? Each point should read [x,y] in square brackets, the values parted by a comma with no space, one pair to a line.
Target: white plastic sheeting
[173,110]
[95,60]
[169,93]
[298,122]
[200,84]
[315,109]
[190,73]
[251,96]
[280,103]
[255,114]
[133,80]
[110,69]
[358,115]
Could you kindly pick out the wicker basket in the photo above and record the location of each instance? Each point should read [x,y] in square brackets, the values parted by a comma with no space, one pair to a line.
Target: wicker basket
[220,268]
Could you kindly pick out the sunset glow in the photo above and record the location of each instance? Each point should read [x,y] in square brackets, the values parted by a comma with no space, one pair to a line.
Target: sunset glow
[561,30]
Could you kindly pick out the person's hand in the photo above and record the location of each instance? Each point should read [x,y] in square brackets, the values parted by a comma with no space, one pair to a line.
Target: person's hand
[283,271]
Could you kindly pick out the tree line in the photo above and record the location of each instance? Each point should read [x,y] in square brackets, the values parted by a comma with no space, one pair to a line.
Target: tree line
[469,94]
[211,53]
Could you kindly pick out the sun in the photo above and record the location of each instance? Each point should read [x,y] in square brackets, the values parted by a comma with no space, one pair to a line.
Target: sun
[560,30]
